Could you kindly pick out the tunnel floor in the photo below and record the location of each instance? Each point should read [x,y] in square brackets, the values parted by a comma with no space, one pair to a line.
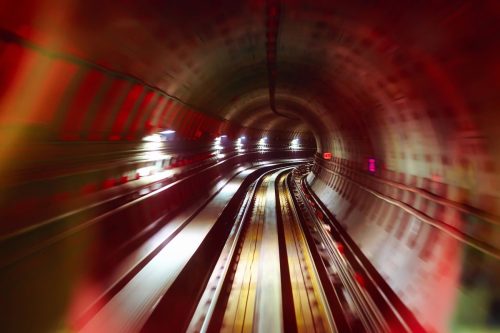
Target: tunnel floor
[257,252]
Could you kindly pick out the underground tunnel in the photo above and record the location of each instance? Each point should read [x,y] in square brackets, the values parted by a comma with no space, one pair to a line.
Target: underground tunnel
[249,166]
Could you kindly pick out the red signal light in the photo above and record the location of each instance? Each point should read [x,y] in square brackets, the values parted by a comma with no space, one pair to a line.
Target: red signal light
[327,156]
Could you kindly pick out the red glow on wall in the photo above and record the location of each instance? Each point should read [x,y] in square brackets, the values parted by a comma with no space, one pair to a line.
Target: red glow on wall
[173,117]
[81,103]
[164,114]
[359,278]
[12,58]
[56,80]
[126,108]
[123,179]
[101,122]
[108,183]
[138,122]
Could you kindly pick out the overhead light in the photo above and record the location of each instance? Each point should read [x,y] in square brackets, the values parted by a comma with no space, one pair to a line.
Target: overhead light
[239,144]
[295,144]
[217,144]
[152,138]
[145,171]
[262,144]
[167,132]
[155,156]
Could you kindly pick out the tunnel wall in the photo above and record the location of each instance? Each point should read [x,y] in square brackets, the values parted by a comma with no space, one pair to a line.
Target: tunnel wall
[415,232]
[72,99]
[46,94]
[71,127]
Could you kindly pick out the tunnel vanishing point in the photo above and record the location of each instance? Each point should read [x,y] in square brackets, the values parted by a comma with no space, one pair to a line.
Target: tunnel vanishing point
[249,166]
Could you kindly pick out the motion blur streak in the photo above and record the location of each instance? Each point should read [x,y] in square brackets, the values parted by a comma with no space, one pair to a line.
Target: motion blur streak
[252,165]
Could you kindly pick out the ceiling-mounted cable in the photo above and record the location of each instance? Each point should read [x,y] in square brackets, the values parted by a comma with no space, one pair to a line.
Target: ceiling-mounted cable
[273,8]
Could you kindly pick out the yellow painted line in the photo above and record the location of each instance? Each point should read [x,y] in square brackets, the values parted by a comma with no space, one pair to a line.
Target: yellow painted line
[303,313]
[239,312]
[311,308]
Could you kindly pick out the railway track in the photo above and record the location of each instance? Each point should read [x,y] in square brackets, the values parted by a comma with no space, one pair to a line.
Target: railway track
[276,273]
[369,303]
[359,310]
[262,256]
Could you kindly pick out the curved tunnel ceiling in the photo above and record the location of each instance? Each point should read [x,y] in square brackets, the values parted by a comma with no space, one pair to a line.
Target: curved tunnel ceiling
[411,64]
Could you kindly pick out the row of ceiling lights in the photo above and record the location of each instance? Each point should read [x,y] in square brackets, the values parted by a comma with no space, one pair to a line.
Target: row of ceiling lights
[156,138]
